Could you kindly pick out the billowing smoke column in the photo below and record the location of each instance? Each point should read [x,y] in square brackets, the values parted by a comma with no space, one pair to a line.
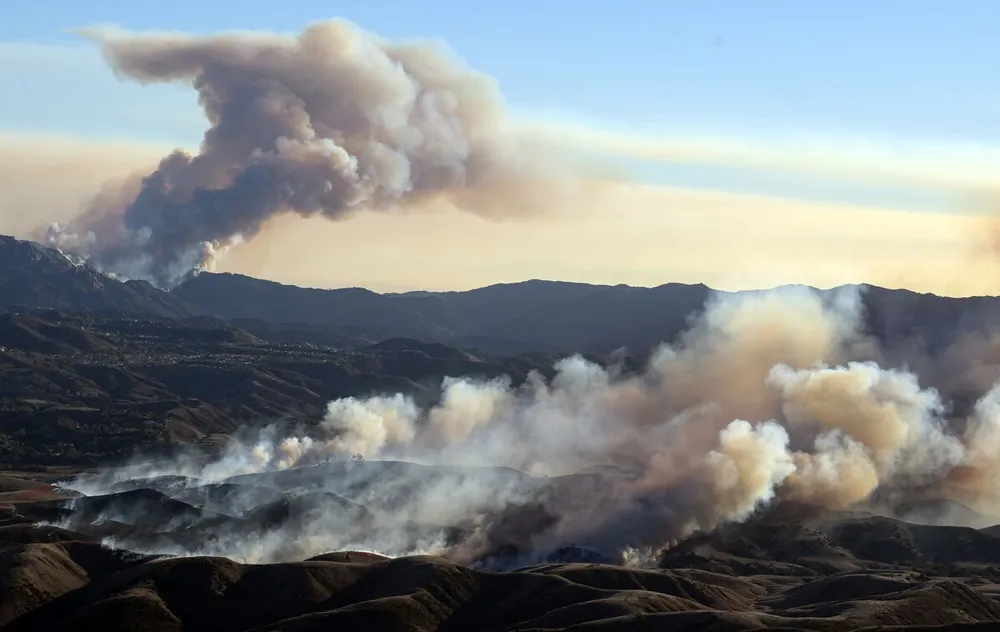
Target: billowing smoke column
[769,396]
[329,122]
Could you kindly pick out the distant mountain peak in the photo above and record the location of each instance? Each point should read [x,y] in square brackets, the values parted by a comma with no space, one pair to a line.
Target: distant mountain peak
[35,275]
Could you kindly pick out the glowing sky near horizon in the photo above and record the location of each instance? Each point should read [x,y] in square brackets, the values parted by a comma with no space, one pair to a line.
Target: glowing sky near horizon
[758,142]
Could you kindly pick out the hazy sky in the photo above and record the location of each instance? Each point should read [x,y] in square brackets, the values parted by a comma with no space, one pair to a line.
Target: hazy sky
[762,141]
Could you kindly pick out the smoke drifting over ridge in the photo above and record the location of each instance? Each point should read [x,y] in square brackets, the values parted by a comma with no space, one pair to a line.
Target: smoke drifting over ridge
[769,396]
[332,121]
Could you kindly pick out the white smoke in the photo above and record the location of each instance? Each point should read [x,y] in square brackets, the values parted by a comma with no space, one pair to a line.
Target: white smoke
[368,426]
[769,396]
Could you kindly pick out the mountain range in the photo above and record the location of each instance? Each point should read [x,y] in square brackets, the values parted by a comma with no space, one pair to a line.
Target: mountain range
[96,371]
[93,368]
[507,319]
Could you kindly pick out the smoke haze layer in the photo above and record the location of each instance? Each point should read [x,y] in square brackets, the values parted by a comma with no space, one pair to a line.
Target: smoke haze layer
[328,122]
[768,397]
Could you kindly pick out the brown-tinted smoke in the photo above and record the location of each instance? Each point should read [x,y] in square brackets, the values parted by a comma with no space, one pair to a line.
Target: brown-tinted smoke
[327,122]
[769,396]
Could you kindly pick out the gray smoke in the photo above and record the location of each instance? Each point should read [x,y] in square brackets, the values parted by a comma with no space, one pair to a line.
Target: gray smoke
[329,122]
[769,396]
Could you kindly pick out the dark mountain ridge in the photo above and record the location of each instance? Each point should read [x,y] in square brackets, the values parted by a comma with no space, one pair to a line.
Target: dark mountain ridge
[33,275]
[92,368]
[507,319]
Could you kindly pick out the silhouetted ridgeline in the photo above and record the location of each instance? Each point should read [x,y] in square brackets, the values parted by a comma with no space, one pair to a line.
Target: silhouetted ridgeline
[507,318]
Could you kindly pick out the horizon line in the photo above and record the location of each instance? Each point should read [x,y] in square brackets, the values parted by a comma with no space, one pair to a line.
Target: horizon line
[769,288]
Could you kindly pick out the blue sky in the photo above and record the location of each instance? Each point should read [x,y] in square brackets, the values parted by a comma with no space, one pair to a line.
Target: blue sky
[909,74]
[914,67]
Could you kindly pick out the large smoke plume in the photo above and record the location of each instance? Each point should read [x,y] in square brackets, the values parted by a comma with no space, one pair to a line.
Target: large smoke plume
[331,121]
[768,397]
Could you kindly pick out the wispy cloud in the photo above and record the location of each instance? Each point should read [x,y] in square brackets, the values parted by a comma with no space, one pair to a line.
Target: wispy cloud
[908,163]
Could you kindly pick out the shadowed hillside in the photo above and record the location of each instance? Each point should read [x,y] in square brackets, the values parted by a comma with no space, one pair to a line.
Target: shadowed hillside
[506,319]
[93,367]
[36,276]
[77,389]
[790,568]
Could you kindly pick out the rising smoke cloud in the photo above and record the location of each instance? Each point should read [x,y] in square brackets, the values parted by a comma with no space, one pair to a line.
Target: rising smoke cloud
[326,123]
[769,396]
